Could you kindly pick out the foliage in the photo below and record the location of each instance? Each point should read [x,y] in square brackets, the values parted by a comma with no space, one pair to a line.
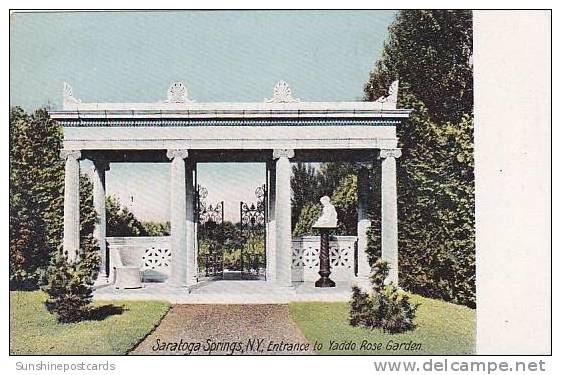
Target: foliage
[222,240]
[361,308]
[330,175]
[442,328]
[430,53]
[345,199]
[305,186]
[336,180]
[36,197]
[34,142]
[157,229]
[69,285]
[120,221]
[110,328]
[386,308]
[309,214]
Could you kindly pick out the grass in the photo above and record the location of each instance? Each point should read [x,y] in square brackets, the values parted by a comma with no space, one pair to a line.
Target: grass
[115,329]
[442,328]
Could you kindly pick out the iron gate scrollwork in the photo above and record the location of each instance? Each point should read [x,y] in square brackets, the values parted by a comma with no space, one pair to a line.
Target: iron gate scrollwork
[210,233]
[253,219]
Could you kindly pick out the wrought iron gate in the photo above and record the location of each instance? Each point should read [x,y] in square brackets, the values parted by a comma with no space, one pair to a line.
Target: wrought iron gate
[210,234]
[253,219]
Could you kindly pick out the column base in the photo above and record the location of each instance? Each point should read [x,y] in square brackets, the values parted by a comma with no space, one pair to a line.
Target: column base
[325,282]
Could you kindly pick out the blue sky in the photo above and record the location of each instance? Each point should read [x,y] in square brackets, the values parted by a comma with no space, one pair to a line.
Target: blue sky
[221,56]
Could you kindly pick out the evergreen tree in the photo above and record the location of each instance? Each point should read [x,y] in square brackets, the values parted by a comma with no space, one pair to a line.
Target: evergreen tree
[430,53]
[37,198]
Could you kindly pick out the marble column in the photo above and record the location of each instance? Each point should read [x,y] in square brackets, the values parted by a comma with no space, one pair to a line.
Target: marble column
[98,175]
[179,250]
[71,241]
[283,217]
[192,267]
[271,256]
[363,223]
[389,212]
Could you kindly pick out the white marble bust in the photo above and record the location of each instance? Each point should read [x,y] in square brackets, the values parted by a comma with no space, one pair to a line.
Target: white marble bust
[328,218]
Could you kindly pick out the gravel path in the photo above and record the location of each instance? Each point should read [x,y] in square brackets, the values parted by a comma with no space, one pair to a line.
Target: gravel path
[226,329]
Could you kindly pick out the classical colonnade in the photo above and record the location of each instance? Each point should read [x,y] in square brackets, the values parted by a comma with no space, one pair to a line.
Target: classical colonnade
[278,131]
[279,238]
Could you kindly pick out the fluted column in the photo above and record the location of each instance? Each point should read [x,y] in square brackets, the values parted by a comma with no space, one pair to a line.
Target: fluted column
[178,218]
[271,226]
[98,175]
[283,217]
[389,212]
[71,241]
[192,268]
[363,223]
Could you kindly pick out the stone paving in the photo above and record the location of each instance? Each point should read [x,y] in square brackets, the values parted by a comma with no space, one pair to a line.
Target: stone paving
[228,292]
[262,329]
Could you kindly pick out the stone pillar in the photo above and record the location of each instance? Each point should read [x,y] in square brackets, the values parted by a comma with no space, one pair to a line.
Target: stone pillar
[283,217]
[363,223]
[71,241]
[192,267]
[271,256]
[98,175]
[389,212]
[178,218]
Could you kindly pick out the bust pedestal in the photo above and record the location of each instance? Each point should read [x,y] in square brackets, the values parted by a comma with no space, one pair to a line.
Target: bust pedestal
[324,263]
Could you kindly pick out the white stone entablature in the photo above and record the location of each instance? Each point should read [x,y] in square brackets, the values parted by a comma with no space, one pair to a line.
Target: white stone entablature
[280,122]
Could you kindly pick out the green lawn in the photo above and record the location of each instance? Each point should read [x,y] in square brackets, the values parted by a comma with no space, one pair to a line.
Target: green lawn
[442,328]
[118,328]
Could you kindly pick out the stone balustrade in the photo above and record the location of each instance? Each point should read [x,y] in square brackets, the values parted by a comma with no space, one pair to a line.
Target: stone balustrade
[153,255]
[305,258]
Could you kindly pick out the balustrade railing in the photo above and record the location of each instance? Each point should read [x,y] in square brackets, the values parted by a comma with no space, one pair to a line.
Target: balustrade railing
[153,256]
[305,258]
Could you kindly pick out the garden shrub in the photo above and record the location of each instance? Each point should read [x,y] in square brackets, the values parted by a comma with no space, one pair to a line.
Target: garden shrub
[386,307]
[70,285]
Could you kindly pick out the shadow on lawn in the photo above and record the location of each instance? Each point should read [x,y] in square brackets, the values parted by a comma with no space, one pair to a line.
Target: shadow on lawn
[102,312]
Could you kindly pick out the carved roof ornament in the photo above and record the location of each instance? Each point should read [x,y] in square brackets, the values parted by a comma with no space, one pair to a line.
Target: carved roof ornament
[177,93]
[68,96]
[282,94]
[392,94]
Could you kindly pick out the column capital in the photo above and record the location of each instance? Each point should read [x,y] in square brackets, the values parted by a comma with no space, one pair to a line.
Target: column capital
[389,153]
[283,153]
[177,153]
[70,154]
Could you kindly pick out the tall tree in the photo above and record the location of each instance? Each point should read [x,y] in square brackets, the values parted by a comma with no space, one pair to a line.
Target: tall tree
[36,197]
[430,53]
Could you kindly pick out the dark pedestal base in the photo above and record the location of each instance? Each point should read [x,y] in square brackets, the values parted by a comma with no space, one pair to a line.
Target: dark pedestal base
[325,282]
[324,264]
